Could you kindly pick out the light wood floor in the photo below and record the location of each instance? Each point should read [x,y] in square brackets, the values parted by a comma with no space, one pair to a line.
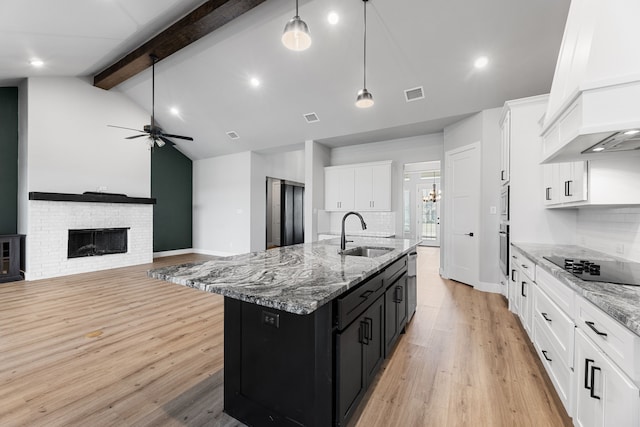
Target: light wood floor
[116,348]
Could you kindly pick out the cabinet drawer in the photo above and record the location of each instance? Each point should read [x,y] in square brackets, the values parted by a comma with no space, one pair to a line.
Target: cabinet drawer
[525,265]
[620,344]
[395,270]
[557,291]
[559,327]
[560,374]
[351,305]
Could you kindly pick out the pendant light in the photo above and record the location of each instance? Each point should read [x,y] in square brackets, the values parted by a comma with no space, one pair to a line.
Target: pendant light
[296,33]
[365,99]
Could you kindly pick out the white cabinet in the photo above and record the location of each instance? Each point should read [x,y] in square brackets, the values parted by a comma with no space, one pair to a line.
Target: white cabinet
[605,396]
[598,182]
[360,187]
[565,183]
[338,189]
[505,147]
[522,289]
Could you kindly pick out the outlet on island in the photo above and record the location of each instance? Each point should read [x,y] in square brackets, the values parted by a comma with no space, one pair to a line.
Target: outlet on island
[271,319]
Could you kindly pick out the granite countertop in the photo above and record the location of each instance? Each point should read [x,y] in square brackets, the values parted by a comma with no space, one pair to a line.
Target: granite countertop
[621,302]
[297,279]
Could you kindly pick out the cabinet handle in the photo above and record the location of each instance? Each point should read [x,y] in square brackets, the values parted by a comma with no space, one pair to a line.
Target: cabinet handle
[524,266]
[587,384]
[364,333]
[544,353]
[501,175]
[547,193]
[366,294]
[522,289]
[369,327]
[513,275]
[592,391]
[544,315]
[594,329]
[568,190]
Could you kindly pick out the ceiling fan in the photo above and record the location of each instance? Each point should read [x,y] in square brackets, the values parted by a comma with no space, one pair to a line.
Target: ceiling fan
[155,133]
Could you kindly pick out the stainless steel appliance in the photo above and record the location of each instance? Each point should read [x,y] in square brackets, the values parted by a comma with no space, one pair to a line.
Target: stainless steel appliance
[618,272]
[504,248]
[504,203]
[412,291]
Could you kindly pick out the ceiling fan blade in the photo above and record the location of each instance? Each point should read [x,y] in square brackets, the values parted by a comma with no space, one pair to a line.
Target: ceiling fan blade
[188,138]
[120,127]
[171,143]
[136,136]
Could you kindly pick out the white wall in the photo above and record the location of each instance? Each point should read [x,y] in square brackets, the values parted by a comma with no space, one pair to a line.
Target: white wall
[289,165]
[71,149]
[222,204]
[421,148]
[317,156]
[258,207]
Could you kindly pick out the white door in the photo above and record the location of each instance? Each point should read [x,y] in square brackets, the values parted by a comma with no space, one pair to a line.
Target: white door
[461,195]
[427,217]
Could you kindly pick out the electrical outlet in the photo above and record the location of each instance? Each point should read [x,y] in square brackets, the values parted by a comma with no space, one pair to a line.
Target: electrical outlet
[620,248]
[270,319]
[492,210]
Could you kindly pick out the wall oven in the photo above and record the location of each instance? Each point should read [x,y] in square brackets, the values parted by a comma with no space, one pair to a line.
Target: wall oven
[504,248]
[504,203]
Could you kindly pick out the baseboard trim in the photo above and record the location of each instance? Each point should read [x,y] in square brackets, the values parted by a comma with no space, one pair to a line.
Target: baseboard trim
[213,253]
[494,288]
[173,252]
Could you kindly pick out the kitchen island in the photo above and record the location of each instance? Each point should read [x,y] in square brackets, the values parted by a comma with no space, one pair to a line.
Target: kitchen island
[306,328]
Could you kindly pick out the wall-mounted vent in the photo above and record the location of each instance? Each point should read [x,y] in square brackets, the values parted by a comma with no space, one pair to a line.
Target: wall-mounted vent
[311,117]
[233,135]
[414,94]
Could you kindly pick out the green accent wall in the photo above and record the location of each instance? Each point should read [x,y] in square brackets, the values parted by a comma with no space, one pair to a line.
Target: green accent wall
[8,160]
[171,186]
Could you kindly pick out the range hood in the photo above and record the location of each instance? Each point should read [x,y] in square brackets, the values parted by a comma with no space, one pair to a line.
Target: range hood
[594,104]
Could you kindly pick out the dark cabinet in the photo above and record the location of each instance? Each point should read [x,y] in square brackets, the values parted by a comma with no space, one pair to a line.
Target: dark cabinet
[395,311]
[360,353]
[10,258]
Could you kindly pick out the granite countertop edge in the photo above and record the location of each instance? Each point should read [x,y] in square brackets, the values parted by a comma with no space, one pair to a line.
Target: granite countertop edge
[620,302]
[313,274]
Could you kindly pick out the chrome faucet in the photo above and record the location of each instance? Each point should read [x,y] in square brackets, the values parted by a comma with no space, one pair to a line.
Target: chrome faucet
[343,238]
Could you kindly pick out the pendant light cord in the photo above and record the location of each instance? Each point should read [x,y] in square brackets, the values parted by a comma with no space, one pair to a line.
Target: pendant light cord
[153,91]
[297,9]
[365,45]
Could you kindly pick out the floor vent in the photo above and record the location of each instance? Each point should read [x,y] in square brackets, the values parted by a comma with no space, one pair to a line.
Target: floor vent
[233,135]
[414,94]
[311,117]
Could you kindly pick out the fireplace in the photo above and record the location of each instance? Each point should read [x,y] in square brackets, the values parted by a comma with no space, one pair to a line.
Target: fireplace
[97,241]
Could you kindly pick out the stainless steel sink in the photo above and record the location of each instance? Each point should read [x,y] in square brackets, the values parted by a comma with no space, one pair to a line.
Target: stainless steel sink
[367,251]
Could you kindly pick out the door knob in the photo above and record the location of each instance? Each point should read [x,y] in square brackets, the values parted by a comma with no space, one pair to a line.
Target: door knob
[469,234]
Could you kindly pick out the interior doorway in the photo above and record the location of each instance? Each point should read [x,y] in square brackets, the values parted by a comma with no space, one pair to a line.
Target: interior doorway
[285,213]
[422,201]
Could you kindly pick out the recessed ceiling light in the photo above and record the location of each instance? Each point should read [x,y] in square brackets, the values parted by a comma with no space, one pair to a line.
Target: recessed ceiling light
[632,132]
[35,62]
[174,111]
[254,82]
[333,18]
[481,62]
[598,149]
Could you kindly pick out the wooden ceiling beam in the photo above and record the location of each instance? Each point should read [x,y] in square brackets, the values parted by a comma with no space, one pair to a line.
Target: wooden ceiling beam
[201,21]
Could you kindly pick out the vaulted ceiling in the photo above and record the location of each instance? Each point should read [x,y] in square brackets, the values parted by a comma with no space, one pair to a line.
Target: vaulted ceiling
[410,43]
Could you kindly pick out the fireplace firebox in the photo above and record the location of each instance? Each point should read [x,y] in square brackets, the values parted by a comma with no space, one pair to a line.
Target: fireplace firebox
[97,241]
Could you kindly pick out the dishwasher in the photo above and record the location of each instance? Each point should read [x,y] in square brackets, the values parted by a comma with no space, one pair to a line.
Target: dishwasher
[412,289]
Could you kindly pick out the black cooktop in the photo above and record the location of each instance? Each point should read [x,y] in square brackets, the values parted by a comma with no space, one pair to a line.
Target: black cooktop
[619,272]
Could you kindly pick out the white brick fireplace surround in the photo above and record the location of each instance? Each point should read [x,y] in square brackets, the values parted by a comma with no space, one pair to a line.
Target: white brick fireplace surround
[48,228]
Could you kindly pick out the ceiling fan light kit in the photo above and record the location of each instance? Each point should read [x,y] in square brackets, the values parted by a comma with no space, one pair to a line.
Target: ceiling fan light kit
[365,98]
[296,34]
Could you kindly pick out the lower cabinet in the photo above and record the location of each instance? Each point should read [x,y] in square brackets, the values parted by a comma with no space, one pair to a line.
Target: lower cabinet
[395,312]
[605,396]
[360,352]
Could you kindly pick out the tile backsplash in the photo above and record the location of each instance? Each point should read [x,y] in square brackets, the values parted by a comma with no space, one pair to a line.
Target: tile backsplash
[377,222]
[615,231]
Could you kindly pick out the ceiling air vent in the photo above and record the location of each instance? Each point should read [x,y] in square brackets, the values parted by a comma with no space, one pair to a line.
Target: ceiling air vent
[311,117]
[233,135]
[414,94]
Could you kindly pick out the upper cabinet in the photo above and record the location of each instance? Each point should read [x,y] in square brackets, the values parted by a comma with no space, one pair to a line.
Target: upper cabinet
[596,85]
[505,147]
[360,187]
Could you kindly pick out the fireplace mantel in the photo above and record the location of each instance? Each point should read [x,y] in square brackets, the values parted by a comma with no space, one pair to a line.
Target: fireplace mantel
[91,197]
